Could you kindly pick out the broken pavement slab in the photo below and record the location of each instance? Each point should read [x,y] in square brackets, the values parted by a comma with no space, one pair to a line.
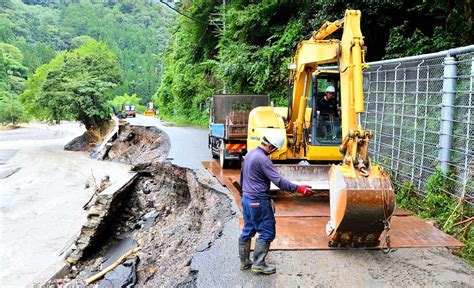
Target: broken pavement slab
[99,216]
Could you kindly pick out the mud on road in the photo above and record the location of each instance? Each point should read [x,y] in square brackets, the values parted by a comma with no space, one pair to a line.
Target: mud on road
[168,213]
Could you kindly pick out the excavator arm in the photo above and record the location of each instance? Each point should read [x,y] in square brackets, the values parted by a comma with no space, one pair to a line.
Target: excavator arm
[348,54]
[361,194]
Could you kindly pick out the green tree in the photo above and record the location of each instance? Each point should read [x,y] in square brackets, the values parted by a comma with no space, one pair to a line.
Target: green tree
[75,85]
[12,72]
[29,98]
[12,82]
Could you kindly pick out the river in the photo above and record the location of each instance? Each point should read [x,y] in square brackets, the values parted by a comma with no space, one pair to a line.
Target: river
[41,204]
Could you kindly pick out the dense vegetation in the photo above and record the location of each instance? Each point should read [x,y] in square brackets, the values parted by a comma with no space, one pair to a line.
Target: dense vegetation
[34,32]
[13,76]
[251,51]
[242,46]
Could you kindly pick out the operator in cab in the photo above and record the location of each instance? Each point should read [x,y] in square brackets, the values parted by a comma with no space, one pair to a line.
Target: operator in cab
[328,120]
[327,104]
[257,207]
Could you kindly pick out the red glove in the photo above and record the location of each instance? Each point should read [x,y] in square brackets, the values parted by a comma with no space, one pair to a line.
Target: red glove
[305,190]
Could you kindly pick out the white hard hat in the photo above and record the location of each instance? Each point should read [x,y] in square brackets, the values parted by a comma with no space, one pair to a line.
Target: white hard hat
[331,89]
[275,137]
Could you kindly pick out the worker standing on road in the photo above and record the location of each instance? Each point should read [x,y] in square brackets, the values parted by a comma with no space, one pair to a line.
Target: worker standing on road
[257,207]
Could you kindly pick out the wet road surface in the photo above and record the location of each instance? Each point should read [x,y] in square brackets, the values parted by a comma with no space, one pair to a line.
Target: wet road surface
[218,266]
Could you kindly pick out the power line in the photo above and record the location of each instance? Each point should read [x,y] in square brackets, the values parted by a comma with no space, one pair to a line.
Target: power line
[189,17]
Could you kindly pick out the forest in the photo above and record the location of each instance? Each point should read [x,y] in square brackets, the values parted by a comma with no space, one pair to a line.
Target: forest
[245,46]
[71,59]
[53,44]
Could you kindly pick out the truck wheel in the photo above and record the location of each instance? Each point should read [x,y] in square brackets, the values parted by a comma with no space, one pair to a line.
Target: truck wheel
[224,163]
[213,143]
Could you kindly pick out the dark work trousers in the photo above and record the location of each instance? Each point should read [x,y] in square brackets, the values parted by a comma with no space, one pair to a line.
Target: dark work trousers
[258,217]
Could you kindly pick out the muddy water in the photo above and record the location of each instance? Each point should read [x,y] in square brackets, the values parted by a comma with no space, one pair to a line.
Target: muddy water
[41,204]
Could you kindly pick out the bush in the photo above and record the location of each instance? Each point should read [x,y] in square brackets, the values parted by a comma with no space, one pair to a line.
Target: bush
[11,110]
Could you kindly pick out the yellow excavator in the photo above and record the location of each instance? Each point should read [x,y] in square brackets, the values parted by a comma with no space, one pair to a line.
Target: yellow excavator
[150,110]
[333,147]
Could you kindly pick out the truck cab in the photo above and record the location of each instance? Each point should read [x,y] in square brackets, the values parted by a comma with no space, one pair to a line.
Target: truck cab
[130,111]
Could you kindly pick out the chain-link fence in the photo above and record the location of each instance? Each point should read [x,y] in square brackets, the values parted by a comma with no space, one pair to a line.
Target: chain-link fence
[421,111]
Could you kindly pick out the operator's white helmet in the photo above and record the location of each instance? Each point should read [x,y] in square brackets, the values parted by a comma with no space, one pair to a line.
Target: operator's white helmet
[331,89]
[275,137]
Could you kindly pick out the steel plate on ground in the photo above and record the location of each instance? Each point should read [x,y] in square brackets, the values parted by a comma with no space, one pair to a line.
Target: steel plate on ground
[308,233]
[409,231]
[301,221]
[299,233]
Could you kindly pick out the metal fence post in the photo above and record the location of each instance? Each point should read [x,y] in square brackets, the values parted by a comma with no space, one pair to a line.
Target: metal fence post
[447,112]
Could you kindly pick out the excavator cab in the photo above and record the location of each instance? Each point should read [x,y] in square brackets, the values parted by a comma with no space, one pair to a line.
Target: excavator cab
[325,123]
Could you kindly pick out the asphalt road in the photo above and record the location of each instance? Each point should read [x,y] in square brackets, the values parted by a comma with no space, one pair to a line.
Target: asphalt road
[218,266]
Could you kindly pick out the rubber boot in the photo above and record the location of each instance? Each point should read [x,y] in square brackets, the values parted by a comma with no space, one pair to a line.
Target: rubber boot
[259,254]
[244,254]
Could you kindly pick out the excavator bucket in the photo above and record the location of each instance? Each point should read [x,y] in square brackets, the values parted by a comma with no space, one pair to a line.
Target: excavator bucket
[360,207]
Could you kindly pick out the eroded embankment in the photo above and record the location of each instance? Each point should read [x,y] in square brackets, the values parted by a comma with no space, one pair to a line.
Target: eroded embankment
[167,212]
[137,145]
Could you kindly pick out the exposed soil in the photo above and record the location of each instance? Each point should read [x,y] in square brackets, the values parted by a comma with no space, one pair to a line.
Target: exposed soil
[89,139]
[190,216]
[137,145]
[85,142]
[168,213]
